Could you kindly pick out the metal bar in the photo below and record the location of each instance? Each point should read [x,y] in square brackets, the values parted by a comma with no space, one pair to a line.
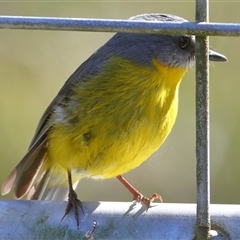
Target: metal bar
[112,220]
[106,25]
[202,126]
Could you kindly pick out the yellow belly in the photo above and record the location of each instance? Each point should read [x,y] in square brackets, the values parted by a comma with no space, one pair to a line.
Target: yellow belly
[111,127]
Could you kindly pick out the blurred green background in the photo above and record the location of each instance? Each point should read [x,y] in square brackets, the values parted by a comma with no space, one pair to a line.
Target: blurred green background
[35,64]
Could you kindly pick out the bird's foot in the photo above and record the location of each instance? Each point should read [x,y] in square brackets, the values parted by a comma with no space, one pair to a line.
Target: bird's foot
[73,203]
[138,197]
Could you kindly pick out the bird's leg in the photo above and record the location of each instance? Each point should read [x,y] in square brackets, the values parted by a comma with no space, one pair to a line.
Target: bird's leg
[137,196]
[73,201]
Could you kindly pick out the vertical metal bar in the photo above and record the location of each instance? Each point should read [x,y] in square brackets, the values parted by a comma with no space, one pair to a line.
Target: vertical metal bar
[202,126]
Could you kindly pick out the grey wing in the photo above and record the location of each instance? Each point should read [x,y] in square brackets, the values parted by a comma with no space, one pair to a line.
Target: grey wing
[23,175]
[89,68]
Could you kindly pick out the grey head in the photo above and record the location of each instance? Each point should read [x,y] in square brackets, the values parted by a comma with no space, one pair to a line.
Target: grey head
[169,50]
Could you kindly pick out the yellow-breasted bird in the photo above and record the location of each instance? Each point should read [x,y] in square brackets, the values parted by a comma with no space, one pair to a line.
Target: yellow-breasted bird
[113,112]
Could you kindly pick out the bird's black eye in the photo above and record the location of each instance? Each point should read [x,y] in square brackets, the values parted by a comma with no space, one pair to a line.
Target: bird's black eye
[183,42]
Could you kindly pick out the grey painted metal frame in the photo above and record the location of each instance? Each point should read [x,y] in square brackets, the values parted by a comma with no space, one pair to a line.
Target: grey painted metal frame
[120,220]
[202,127]
[112,220]
[114,25]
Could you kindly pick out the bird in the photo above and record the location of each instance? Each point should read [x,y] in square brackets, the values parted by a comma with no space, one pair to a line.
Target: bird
[112,113]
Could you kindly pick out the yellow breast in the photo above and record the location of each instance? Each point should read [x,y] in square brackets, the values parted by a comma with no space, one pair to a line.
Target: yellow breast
[115,120]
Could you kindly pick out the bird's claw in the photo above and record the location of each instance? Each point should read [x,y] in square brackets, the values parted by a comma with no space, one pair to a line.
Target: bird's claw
[138,197]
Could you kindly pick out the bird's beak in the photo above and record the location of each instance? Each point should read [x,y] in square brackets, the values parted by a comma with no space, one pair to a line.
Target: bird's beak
[214,56]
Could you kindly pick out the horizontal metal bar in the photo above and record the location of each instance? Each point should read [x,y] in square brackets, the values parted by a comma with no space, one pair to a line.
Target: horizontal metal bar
[106,25]
[112,220]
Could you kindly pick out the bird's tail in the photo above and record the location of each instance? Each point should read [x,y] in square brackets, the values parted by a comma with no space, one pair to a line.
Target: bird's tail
[47,189]
[49,186]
